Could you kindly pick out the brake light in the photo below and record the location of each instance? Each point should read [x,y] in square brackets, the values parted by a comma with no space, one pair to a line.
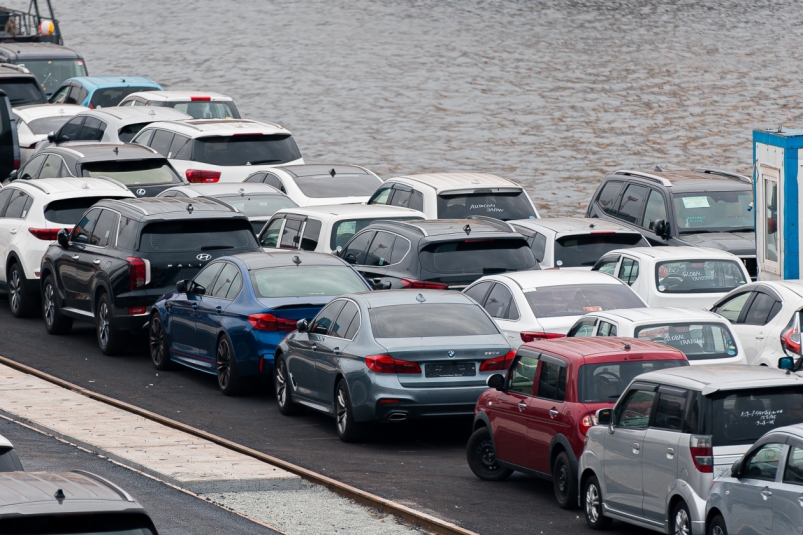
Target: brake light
[498,363]
[139,272]
[387,364]
[91,106]
[247,134]
[702,453]
[17,162]
[790,340]
[47,234]
[588,421]
[532,336]
[200,99]
[199,176]
[269,322]
[415,284]
[599,232]
[134,311]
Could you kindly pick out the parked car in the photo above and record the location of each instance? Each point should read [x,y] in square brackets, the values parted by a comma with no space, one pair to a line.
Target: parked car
[704,337]
[436,254]
[123,255]
[21,87]
[761,315]
[31,214]
[652,459]
[68,502]
[35,122]
[198,104]
[100,91]
[9,144]
[539,305]
[49,62]
[457,196]
[687,277]
[220,150]
[389,356]
[243,306]
[534,418]
[9,460]
[574,242]
[326,228]
[762,492]
[700,208]
[144,171]
[257,201]
[320,184]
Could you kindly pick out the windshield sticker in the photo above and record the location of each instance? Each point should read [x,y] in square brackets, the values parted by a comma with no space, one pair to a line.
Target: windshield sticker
[762,418]
[696,202]
[490,208]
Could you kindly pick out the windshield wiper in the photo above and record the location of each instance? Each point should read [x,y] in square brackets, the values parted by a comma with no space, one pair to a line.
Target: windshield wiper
[697,231]
[743,229]
[213,247]
[257,162]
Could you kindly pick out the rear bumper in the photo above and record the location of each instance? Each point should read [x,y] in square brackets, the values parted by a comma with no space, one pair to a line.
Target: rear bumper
[386,402]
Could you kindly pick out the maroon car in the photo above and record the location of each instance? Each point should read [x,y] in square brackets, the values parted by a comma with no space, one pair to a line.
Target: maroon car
[534,418]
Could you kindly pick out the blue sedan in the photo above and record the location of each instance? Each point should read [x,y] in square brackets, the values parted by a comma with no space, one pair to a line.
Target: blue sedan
[230,318]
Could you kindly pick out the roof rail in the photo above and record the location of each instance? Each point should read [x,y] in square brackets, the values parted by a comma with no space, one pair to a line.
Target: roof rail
[655,178]
[181,123]
[406,224]
[31,182]
[724,174]
[218,201]
[113,181]
[134,206]
[495,223]
[19,68]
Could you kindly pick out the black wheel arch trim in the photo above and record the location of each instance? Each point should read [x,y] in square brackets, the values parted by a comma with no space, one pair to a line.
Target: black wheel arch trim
[566,446]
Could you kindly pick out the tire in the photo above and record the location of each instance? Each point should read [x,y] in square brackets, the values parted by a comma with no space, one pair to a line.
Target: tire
[348,429]
[481,457]
[20,301]
[592,505]
[55,321]
[564,482]
[229,382]
[110,342]
[281,384]
[159,348]
[717,526]
[681,520]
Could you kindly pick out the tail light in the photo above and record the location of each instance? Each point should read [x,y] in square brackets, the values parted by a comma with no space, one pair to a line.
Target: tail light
[139,271]
[47,234]
[428,285]
[702,453]
[269,322]
[17,162]
[200,99]
[532,336]
[500,364]
[91,106]
[134,311]
[588,421]
[387,364]
[790,337]
[200,176]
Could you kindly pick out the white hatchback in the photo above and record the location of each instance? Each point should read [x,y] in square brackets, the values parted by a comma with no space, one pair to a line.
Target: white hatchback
[704,337]
[35,122]
[687,277]
[198,104]
[543,304]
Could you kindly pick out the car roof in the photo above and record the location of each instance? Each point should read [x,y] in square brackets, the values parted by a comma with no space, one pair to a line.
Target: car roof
[712,378]
[411,297]
[69,187]
[176,206]
[38,111]
[354,210]
[35,50]
[177,95]
[321,169]
[795,286]
[220,127]
[100,82]
[662,314]
[101,152]
[556,277]
[676,253]
[450,181]
[137,114]
[285,258]
[450,227]
[604,347]
[572,224]
[700,179]
[225,188]
[12,71]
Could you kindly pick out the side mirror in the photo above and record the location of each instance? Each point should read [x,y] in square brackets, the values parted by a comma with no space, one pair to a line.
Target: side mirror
[786,363]
[736,469]
[496,381]
[660,228]
[197,289]
[63,237]
[351,258]
[13,175]
[302,325]
[181,286]
[51,136]
[605,417]
[337,251]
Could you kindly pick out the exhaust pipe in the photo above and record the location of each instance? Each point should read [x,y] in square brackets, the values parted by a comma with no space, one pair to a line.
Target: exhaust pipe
[397,417]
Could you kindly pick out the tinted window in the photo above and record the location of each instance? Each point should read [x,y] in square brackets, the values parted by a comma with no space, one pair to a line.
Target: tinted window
[408,198]
[127,233]
[202,235]
[134,172]
[604,383]
[206,110]
[312,232]
[379,250]
[477,256]
[584,327]
[342,231]
[324,320]
[291,234]
[273,180]
[794,467]
[348,315]
[127,133]
[304,281]
[104,229]
[225,280]
[763,463]
[628,271]
[180,148]
[715,210]
[400,248]
[337,186]
[53,168]
[356,250]
[631,203]
[742,416]
[5,195]
[607,265]
[697,340]
[430,319]
[161,142]
[636,409]
[45,125]
[655,210]
[608,195]
[504,206]
[256,177]
[106,98]
[578,300]
[732,308]
[246,150]
[382,195]
[270,238]
[586,249]
[83,230]
[30,169]
[207,275]
[16,207]
[670,411]
[235,287]
[22,91]
[70,130]
[552,381]
[606,329]
[538,244]
[258,204]
[703,276]
[500,303]
[144,138]
[760,309]
[92,130]
[522,375]
[478,292]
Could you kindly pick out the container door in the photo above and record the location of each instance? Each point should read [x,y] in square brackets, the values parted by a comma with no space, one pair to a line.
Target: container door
[768,221]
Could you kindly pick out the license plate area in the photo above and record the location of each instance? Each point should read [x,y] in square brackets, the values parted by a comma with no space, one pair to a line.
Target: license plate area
[450,369]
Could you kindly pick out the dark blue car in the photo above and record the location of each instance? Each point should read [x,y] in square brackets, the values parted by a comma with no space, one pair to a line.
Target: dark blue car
[229,319]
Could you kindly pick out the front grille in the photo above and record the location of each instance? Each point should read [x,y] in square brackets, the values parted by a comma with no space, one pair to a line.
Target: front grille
[751,264]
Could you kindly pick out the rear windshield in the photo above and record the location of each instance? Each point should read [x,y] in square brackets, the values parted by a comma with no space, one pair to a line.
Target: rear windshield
[199,235]
[504,206]
[584,250]
[742,417]
[45,125]
[307,281]
[69,211]
[577,300]
[704,276]
[111,96]
[78,524]
[22,91]
[426,320]
[127,133]
[257,205]
[478,256]
[245,150]
[337,186]
[134,172]
[206,110]
[342,231]
[699,341]
[51,72]
[604,383]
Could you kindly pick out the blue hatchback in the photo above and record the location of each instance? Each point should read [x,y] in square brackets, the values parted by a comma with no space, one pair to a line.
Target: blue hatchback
[100,91]
[229,319]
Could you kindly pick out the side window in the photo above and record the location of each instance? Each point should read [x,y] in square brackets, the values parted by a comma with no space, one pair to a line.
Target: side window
[273,180]
[256,177]
[400,248]
[92,130]
[500,303]
[83,230]
[161,142]
[379,251]
[104,229]
[32,167]
[656,209]
[479,291]
[61,96]
[607,197]
[225,281]
[417,201]
[407,197]
[606,329]
[607,265]
[552,381]
[270,236]
[759,311]
[732,308]
[207,275]
[763,463]
[356,249]
[290,234]
[538,245]
[144,138]
[629,271]
[631,203]
[77,95]
[5,195]
[794,467]
[636,409]
[180,148]
[344,320]
[70,130]
[326,317]
[584,327]
[16,207]
[312,233]
[382,195]
[670,410]
[126,234]
[236,286]
[52,167]
[522,374]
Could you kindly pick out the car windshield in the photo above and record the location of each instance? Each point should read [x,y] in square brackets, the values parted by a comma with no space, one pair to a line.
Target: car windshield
[698,276]
[430,319]
[206,110]
[111,96]
[51,72]
[714,211]
[583,250]
[199,235]
[504,206]
[22,91]
[580,299]
[604,383]
[306,281]
[338,186]
[45,125]
[742,416]
[134,172]
[256,204]
[699,341]
[69,211]
[94,523]
[245,150]
[478,256]
[342,231]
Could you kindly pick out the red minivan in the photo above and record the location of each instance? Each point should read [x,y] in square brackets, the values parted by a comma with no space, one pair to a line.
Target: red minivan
[534,418]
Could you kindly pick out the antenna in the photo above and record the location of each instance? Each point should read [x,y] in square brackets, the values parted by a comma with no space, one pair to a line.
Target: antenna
[190,208]
[333,172]
[467,229]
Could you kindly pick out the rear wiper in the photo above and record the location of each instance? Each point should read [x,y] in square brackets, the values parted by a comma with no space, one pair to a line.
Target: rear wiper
[213,247]
[263,161]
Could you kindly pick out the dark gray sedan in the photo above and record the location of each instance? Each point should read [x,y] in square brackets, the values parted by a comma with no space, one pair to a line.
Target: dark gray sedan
[390,356]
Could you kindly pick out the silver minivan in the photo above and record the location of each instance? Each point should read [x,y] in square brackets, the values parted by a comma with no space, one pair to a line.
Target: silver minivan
[652,458]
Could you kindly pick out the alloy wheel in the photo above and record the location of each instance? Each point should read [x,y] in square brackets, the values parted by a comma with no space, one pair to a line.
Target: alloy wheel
[223,363]
[717,531]
[50,305]
[281,383]
[682,525]
[157,341]
[14,289]
[592,503]
[103,324]
[341,411]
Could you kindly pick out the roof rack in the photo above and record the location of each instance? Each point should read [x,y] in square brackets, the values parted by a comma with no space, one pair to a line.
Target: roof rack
[134,206]
[495,223]
[181,123]
[724,174]
[31,183]
[655,178]
[113,181]
[406,224]
[19,68]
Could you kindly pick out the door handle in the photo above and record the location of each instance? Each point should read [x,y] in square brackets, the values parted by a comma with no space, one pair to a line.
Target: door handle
[766,493]
[336,351]
[96,261]
[315,347]
[195,305]
[636,447]
[670,453]
[75,257]
[759,337]
[218,310]
[13,231]
[553,413]
[522,405]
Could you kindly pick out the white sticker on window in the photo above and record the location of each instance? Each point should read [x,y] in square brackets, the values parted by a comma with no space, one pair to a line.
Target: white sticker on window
[696,202]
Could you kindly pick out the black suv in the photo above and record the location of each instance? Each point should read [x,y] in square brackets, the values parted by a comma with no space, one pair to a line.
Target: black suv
[124,254]
[701,208]
[9,143]
[49,62]
[141,169]
[438,253]
[20,85]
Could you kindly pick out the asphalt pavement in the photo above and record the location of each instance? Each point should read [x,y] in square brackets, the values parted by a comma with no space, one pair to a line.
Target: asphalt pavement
[419,464]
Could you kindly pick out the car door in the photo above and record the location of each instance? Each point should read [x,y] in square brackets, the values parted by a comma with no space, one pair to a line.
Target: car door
[752,498]
[356,249]
[331,347]
[654,211]
[734,308]
[290,237]
[181,311]
[787,497]
[631,205]
[628,270]
[607,328]
[93,258]
[9,227]
[549,417]
[756,321]
[212,307]
[74,264]
[608,264]
[622,456]
[501,305]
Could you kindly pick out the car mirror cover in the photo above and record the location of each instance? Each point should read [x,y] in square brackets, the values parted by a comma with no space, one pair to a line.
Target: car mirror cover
[496,381]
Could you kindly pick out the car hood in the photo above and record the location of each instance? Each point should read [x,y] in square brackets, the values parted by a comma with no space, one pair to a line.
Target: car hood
[738,243]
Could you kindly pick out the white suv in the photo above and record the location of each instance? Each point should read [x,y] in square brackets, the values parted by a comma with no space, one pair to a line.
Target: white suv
[320,184]
[220,150]
[31,214]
